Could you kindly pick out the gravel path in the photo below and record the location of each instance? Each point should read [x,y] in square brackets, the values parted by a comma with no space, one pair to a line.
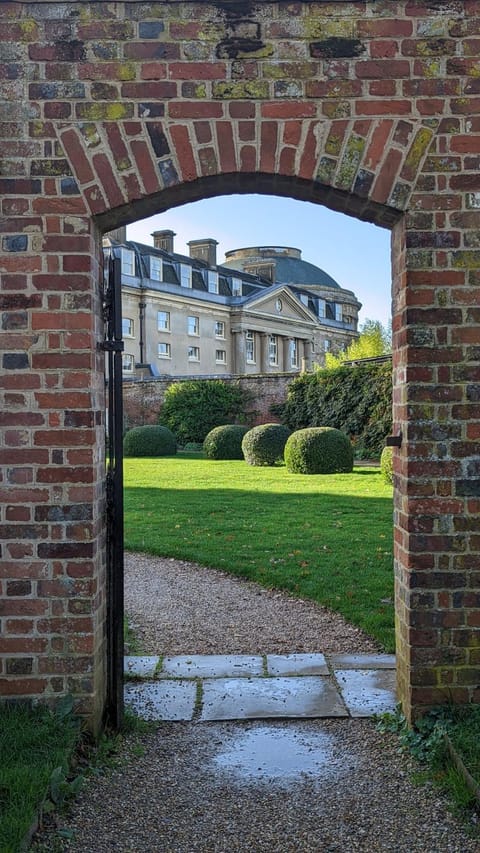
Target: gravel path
[336,786]
[182,608]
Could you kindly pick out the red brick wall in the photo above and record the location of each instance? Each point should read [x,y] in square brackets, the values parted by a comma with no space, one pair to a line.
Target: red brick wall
[115,111]
[143,400]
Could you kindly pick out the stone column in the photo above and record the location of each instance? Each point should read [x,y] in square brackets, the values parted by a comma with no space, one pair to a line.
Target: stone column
[308,349]
[286,366]
[263,360]
[238,351]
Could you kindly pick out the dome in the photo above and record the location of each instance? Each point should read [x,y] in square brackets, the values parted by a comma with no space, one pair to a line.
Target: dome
[289,266]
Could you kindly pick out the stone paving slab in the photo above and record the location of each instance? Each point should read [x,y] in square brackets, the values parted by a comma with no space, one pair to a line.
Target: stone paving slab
[142,667]
[367,691]
[162,700]
[362,661]
[301,697]
[297,664]
[236,687]
[211,666]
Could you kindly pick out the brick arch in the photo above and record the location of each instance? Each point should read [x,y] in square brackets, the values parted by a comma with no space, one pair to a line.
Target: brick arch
[117,111]
[357,166]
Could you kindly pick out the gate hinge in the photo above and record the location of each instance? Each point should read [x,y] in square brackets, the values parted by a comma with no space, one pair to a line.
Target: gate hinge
[112,346]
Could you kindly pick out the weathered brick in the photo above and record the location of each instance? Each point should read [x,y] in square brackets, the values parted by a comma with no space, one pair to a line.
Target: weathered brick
[382,110]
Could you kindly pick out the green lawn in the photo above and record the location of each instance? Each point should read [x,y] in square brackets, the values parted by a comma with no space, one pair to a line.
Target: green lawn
[33,744]
[328,538]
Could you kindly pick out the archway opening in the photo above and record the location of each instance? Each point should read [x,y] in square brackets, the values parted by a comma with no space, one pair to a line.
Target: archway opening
[361,246]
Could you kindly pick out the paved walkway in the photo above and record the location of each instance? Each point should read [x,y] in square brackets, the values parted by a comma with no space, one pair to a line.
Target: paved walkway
[254,687]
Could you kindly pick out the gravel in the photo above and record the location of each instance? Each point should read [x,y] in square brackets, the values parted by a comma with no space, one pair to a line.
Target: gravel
[339,786]
[182,608]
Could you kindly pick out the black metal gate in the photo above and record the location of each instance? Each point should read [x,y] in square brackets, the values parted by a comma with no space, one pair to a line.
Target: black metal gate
[113,346]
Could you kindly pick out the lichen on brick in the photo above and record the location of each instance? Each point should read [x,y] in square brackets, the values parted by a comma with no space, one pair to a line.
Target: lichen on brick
[247,89]
[330,48]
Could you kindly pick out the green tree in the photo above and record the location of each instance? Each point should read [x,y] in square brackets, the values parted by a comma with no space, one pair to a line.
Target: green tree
[193,407]
[374,340]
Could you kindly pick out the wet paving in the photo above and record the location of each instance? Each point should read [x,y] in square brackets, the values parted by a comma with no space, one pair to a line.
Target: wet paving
[210,688]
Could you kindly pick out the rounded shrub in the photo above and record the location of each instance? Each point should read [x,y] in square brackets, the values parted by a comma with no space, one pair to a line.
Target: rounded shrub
[264,444]
[224,442]
[149,440]
[319,450]
[386,465]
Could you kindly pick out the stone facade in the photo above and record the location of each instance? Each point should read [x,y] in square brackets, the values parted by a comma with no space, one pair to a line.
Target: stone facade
[195,317]
[115,111]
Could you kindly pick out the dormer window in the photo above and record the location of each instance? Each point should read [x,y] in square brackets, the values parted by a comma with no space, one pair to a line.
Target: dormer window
[156,268]
[236,286]
[128,261]
[212,281]
[264,270]
[185,275]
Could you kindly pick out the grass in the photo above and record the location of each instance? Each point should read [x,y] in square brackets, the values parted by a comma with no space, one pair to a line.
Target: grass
[34,744]
[327,538]
[456,772]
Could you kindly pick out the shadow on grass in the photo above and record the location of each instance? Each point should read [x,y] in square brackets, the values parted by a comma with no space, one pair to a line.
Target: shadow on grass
[334,549]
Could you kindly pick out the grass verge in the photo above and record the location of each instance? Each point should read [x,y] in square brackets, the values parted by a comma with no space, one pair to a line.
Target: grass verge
[446,741]
[327,538]
[36,748]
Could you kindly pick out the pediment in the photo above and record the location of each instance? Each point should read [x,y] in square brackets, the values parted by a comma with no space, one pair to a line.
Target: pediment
[280,304]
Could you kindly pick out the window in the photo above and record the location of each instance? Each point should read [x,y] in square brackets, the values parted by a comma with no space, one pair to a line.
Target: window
[220,356]
[212,279]
[127,327]
[293,353]
[185,275]
[163,321]
[193,353]
[128,363]
[193,326]
[326,345]
[219,329]
[164,350]
[321,308]
[272,349]
[304,298]
[128,261]
[156,271]
[250,347]
[330,312]
[338,312]
[236,286]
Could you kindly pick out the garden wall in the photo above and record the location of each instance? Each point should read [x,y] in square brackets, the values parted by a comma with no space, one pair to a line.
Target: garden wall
[142,400]
[115,111]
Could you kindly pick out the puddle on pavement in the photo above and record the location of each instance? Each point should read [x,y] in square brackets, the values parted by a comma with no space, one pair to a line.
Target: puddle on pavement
[283,755]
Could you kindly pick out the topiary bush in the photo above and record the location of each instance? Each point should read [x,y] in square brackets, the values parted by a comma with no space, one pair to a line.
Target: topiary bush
[264,444]
[149,440]
[318,450]
[386,465]
[224,442]
[356,400]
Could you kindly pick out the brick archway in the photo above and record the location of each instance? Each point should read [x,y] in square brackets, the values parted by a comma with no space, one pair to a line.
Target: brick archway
[119,110]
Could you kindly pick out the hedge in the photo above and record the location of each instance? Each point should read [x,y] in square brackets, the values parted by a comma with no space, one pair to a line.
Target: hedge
[149,440]
[193,407]
[356,400]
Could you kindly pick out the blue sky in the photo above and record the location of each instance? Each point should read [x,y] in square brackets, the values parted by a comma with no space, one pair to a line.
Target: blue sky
[355,253]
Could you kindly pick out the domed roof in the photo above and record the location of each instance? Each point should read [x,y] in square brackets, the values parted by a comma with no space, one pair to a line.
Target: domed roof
[289,266]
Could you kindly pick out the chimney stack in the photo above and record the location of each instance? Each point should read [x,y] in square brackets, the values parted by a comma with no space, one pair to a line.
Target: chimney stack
[118,235]
[204,250]
[163,240]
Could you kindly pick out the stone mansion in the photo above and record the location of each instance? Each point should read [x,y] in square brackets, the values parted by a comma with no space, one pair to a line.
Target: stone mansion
[263,310]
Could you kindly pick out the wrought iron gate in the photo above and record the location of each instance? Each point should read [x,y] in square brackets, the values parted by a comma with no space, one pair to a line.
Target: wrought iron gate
[113,346]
